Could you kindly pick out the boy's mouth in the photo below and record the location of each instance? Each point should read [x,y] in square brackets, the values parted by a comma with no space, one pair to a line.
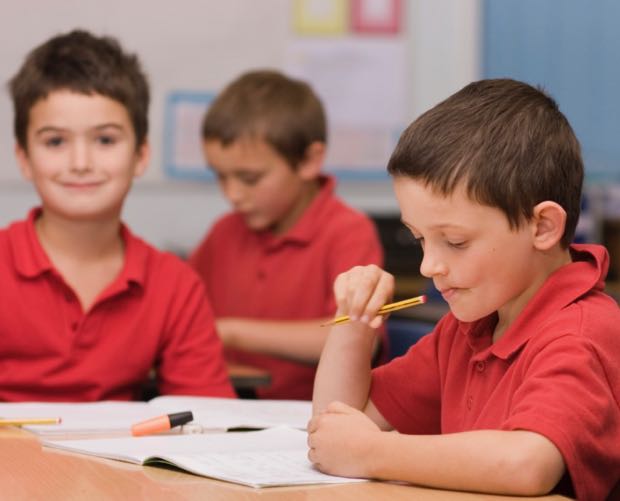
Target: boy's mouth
[448,293]
[82,184]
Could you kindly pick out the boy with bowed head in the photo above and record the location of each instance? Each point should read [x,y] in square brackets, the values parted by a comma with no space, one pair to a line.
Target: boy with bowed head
[269,265]
[516,390]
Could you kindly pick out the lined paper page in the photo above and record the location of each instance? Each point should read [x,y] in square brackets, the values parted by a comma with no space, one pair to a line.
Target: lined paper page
[276,456]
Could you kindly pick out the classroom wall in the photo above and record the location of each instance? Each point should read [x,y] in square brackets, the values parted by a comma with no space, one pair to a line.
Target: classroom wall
[202,44]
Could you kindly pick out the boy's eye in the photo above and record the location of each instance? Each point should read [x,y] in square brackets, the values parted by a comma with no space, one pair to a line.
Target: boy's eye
[457,245]
[54,141]
[106,139]
[249,179]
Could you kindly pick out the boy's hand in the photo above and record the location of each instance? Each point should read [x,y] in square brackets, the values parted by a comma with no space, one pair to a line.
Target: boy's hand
[340,441]
[361,291]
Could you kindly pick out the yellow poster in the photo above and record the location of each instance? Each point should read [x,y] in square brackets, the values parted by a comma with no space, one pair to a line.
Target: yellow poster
[321,17]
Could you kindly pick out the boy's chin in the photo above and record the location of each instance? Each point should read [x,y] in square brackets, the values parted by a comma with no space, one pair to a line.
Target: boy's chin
[467,316]
[257,225]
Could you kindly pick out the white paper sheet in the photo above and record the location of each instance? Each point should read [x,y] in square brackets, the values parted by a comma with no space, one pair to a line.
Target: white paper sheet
[276,456]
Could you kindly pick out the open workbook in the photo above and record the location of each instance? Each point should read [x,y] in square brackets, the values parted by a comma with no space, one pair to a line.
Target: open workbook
[266,458]
[115,418]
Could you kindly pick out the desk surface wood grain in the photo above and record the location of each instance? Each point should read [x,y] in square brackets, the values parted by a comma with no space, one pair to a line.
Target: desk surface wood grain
[28,471]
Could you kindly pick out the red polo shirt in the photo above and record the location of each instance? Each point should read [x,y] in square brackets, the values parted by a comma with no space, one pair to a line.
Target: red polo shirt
[260,275]
[154,314]
[555,371]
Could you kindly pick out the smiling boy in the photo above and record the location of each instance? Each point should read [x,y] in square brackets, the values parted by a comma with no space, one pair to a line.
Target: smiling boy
[516,390]
[87,309]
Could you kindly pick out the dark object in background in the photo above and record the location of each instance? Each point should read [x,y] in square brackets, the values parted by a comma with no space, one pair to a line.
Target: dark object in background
[611,240]
[403,254]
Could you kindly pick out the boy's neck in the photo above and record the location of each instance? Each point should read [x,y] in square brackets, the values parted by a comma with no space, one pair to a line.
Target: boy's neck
[544,267]
[81,241]
[308,194]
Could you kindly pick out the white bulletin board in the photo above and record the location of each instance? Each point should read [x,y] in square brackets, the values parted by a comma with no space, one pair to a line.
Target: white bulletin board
[359,55]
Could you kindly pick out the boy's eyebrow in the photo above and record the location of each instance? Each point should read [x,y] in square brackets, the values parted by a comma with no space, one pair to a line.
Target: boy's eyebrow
[56,128]
[434,226]
[110,124]
[48,128]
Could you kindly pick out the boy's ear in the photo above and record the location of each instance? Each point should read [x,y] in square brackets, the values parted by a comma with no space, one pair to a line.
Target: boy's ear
[23,161]
[548,224]
[310,167]
[143,158]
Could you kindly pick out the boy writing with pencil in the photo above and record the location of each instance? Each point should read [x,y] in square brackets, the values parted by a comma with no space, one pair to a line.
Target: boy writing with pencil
[87,309]
[269,266]
[516,390]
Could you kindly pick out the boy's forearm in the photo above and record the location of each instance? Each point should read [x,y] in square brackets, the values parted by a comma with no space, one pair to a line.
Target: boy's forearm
[501,462]
[298,340]
[344,369]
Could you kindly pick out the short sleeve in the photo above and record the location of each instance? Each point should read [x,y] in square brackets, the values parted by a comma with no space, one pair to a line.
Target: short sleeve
[406,391]
[566,396]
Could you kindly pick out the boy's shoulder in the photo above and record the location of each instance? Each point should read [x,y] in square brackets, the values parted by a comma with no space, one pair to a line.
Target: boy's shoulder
[145,261]
[18,246]
[572,301]
[229,222]
[328,215]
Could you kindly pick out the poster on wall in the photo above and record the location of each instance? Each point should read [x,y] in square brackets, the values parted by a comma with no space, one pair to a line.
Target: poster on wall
[365,109]
[182,148]
[320,17]
[376,16]
[361,77]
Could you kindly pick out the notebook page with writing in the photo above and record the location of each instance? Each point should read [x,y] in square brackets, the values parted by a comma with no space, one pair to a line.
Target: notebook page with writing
[272,457]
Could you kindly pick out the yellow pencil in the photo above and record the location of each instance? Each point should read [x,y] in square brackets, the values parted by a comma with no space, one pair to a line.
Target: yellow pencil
[25,421]
[385,309]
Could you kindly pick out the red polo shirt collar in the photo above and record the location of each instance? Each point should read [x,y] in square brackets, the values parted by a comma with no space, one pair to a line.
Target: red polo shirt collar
[311,221]
[31,260]
[563,287]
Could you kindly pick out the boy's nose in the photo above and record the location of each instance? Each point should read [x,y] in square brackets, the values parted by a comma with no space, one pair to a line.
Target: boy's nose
[233,192]
[432,265]
[80,160]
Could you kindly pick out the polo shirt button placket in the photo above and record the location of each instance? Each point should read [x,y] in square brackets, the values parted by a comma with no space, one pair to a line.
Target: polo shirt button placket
[470,402]
[480,366]
[74,325]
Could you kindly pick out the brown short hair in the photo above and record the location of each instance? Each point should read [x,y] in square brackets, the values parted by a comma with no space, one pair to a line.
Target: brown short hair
[508,142]
[269,106]
[80,62]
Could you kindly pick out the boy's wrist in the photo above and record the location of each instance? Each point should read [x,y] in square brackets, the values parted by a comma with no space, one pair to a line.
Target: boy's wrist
[226,331]
[373,455]
[354,336]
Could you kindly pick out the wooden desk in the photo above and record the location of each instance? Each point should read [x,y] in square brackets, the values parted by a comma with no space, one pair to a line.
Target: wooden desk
[29,472]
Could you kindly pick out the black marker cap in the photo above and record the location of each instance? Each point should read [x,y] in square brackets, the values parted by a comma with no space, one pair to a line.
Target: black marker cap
[179,418]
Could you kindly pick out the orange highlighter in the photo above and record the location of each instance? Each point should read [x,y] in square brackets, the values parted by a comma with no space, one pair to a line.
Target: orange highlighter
[161,423]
